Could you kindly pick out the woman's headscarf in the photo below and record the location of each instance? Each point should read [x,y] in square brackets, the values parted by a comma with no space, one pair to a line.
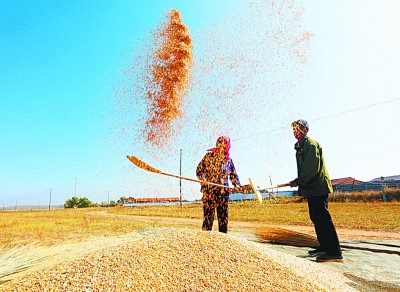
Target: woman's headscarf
[222,146]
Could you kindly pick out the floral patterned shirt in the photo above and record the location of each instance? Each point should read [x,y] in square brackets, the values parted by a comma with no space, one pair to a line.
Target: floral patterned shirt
[216,169]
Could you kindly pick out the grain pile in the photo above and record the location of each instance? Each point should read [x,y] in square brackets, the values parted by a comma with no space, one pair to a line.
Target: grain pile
[169,75]
[183,260]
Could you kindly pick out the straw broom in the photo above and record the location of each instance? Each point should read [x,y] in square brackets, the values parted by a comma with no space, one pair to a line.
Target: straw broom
[283,236]
[19,258]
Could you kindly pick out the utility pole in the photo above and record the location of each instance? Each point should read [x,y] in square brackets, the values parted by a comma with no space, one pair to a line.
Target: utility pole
[273,194]
[383,188]
[180,180]
[75,186]
[270,180]
[50,199]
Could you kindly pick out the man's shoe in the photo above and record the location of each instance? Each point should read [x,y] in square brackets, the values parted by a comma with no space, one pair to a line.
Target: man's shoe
[325,257]
[318,250]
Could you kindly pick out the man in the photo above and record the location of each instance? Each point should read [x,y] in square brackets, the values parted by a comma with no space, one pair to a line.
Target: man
[315,185]
[217,166]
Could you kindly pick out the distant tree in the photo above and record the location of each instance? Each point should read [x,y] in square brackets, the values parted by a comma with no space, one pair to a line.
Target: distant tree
[76,202]
[112,204]
[84,203]
[72,203]
[121,201]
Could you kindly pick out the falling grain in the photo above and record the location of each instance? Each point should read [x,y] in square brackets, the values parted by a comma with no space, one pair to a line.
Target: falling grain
[169,75]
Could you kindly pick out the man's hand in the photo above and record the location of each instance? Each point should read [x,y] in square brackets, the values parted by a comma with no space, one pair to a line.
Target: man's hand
[293,184]
[245,189]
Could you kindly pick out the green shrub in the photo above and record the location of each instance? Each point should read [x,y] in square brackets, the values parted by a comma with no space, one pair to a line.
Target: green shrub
[76,202]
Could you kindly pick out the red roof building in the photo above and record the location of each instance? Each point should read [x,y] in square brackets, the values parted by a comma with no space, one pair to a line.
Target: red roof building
[345,181]
[151,200]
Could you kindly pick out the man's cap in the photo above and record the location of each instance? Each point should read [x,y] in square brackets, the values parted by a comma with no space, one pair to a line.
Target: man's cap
[301,123]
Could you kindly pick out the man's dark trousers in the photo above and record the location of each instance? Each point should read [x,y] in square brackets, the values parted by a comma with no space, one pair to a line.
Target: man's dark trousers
[324,228]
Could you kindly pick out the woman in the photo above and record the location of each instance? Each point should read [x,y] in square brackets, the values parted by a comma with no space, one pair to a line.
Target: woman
[216,166]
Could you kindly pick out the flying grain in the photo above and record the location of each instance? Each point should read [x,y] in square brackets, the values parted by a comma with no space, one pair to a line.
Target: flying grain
[169,75]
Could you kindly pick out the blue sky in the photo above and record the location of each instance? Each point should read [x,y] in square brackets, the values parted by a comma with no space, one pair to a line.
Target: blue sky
[61,62]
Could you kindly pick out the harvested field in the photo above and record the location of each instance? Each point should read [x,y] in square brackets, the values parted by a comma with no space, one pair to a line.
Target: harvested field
[184,260]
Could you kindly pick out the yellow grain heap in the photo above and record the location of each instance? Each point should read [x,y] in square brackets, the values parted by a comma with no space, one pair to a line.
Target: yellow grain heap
[185,260]
[169,72]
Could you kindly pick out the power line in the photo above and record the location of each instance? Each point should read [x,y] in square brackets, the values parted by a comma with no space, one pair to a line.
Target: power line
[321,118]
[355,109]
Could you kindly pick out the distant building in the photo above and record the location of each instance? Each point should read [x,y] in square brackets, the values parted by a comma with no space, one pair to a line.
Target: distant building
[386,178]
[349,184]
[151,200]
[345,181]
[345,184]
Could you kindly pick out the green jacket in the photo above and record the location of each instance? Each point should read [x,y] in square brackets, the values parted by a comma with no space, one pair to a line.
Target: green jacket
[312,176]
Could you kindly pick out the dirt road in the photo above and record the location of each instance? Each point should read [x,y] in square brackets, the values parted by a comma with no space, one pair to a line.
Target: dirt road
[344,234]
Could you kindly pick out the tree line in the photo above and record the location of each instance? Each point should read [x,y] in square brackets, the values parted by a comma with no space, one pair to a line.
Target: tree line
[84,202]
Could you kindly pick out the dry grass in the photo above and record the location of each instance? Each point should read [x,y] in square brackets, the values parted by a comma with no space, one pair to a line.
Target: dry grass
[369,216]
[389,194]
[55,226]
